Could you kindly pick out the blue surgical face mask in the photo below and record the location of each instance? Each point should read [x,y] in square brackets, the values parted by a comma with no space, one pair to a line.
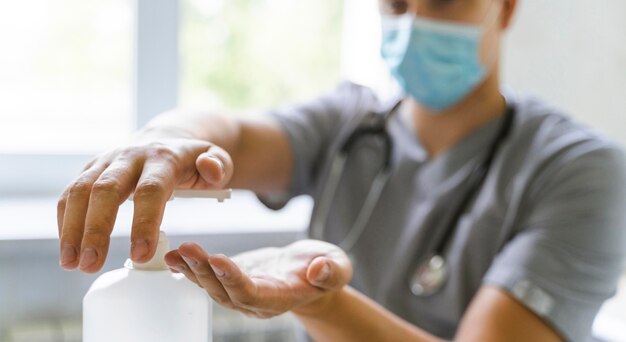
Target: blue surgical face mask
[435,62]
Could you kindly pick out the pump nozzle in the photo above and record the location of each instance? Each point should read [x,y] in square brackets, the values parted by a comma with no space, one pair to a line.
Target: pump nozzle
[220,195]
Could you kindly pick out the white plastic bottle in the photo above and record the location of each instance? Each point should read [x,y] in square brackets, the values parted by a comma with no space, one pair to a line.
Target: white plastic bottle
[146,302]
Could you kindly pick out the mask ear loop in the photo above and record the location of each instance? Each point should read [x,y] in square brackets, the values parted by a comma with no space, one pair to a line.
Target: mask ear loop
[416,13]
[396,22]
[489,19]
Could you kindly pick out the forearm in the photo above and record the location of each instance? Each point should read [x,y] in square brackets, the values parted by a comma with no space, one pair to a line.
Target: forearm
[347,315]
[219,129]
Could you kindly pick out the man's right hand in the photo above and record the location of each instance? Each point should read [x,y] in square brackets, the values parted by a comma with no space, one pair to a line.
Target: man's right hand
[88,207]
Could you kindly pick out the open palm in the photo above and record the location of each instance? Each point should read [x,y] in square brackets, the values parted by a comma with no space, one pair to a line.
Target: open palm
[269,281]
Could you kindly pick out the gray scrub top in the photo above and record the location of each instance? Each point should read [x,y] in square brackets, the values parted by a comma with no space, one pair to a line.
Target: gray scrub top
[547,226]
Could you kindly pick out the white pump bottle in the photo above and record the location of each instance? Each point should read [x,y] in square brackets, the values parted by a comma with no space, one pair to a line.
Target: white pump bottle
[147,302]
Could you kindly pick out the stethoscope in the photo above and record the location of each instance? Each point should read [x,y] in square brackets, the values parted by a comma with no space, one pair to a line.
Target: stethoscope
[432,271]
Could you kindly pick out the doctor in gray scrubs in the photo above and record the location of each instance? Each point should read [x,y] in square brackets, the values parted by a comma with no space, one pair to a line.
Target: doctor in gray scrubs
[454,210]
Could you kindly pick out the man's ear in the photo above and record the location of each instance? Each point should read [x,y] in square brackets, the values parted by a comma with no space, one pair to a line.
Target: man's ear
[508,11]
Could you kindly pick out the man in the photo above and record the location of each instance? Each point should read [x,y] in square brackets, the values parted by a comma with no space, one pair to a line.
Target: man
[520,204]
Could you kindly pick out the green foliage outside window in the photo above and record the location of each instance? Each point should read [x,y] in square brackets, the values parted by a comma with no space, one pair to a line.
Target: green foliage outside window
[258,53]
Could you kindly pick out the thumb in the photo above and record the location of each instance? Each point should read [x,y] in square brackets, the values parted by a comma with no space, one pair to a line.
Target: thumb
[328,274]
[215,167]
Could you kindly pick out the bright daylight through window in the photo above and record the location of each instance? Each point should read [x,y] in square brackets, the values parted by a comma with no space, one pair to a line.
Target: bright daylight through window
[65,75]
[258,53]
[67,82]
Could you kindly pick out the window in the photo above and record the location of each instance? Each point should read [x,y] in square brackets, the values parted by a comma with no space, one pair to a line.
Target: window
[66,75]
[83,74]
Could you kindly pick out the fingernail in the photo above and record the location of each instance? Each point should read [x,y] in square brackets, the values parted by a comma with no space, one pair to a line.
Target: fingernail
[219,162]
[323,274]
[191,262]
[218,271]
[68,255]
[138,249]
[88,257]
[178,268]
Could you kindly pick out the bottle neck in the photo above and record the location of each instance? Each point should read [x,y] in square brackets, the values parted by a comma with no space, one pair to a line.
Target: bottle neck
[157,263]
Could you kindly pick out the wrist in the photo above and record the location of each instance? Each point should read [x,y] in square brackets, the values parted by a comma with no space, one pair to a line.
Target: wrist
[153,133]
[320,306]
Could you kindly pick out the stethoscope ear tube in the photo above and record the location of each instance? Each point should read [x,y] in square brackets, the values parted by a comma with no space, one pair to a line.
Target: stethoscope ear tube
[373,196]
[364,215]
[320,216]
[329,189]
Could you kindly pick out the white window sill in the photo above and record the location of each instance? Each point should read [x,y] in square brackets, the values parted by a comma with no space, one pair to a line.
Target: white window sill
[34,218]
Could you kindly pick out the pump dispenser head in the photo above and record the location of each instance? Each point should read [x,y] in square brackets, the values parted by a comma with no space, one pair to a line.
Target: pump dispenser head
[157,263]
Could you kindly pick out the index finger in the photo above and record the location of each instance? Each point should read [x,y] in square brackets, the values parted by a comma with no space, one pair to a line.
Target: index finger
[193,256]
[260,294]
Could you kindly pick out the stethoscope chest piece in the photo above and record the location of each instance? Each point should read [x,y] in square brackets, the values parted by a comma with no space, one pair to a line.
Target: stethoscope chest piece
[429,276]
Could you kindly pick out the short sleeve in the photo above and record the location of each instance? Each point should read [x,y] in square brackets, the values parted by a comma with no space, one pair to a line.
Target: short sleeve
[312,129]
[566,258]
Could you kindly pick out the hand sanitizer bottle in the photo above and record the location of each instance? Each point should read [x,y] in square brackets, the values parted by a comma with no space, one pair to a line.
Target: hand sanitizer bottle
[146,302]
